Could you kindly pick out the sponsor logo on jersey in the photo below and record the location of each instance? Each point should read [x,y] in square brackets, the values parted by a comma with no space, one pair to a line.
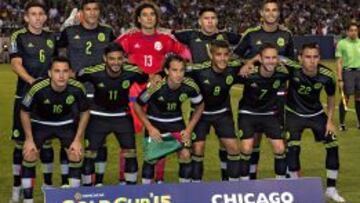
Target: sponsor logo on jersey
[254,85]
[101,85]
[220,37]
[198,40]
[161,98]
[259,42]
[158,46]
[137,46]
[206,81]
[30,45]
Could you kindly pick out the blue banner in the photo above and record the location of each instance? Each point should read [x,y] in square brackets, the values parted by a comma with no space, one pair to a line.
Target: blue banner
[258,191]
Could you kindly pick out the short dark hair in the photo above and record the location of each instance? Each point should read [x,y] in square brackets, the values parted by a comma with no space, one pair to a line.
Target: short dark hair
[84,2]
[267,46]
[351,24]
[207,9]
[141,7]
[60,59]
[34,3]
[113,47]
[311,45]
[268,2]
[215,44]
[172,57]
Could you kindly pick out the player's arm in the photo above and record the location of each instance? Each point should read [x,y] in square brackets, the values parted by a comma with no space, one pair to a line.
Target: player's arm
[183,36]
[62,43]
[339,64]
[330,89]
[144,97]
[180,49]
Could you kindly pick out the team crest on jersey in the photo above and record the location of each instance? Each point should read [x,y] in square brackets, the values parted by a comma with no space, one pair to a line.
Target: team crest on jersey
[229,79]
[220,37]
[101,37]
[183,97]
[158,46]
[276,84]
[317,86]
[125,84]
[280,42]
[50,43]
[70,99]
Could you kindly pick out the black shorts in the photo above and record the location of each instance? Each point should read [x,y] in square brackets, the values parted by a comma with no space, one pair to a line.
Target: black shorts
[100,127]
[166,127]
[17,129]
[223,124]
[351,80]
[251,124]
[43,133]
[295,125]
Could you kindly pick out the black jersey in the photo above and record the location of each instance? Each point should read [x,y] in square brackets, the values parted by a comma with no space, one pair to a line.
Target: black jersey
[36,52]
[85,47]
[254,38]
[111,94]
[304,91]
[48,106]
[260,93]
[198,42]
[164,103]
[215,86]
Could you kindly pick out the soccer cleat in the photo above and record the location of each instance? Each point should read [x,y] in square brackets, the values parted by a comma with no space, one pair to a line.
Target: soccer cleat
[16,193]
[65,186]
[333,194]
[99,185]
[342,127]
[159,182]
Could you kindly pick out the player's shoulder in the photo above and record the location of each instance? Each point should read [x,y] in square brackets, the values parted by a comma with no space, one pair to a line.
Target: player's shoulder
[76,85]
[235,63]
[105,26]
[18,33]
[284,29]
[154,88]
[128,67]
[281,69]
[200,66]
[252,30]
[92,69]
[326,71]
[186,31]
[39,85]
[189,82]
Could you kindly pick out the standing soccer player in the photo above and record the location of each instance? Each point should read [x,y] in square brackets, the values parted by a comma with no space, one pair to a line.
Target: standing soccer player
[164,113]
[258,110]
[31,51]
[198,41]
[49,110]
[304,110]
[109,110]
[215,78]
[348,71]
[146,47]
[85,44]
[270,31]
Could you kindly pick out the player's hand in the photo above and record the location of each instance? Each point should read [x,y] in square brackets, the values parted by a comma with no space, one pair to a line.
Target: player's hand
[186,137]
[246,70]
[75,150]
[29,148]
[330,128]
[155,134]
[31,81]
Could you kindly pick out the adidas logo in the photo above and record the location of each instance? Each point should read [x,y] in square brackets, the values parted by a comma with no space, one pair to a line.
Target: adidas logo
[137,45]
[30,45]
[47,101]
[198,40]
[101,85]
[258,42]
[76,37]
[161,98]
[253,85]
[206,81]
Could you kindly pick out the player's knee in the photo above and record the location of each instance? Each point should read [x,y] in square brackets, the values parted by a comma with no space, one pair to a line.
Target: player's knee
[73,157]
[31,156]
[246,148]
[198,148]
[232,147]
[129,153]
[184,156]
[278,147]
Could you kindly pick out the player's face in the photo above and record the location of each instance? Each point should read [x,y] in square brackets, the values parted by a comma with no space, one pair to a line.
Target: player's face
[114,61]
[220,58]
[35,17]
[269,59]
[270,13]
[147,18]
[309,59]
[59,74]
[91,13]
[208,22]
[176,72]
[353,32]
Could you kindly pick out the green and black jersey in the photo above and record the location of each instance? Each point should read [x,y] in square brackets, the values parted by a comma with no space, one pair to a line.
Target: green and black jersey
[36,52]
[111,93]
[50,107]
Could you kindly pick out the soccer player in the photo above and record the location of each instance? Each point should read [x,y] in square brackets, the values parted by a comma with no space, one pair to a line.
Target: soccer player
[270,31]
[85,45]
[110,111]
[164,113]
[49,110]
[304,110]
[198,41]
[215,78]
[258,108]
[146,47]
[348,71]
[31,51]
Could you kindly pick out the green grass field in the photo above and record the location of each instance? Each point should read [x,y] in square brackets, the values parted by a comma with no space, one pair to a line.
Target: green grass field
[312,153]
